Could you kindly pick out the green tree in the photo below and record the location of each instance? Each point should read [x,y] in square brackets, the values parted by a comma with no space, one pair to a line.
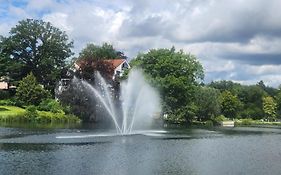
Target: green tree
[269,108]
[278,102]
[207,101]
[251,96]
[230,104]
[225,85]
[269,90]
[29,92]
[175,74]
[38,47]
[106,51]
[93,58]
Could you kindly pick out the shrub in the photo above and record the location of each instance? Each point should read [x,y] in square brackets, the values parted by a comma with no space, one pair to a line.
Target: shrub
[245,122]
[50,105]
[219,119]
[8,102]
[4,94]
[252,112]
[48,117]
[31,113]
[209,123]
[29,92]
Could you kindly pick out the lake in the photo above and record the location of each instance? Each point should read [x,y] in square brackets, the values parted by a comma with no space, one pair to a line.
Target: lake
[85,150]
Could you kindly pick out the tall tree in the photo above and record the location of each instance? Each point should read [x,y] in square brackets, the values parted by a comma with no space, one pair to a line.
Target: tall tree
[36,46]
[269,108]
[176,74]
[29,92]
[230,104]
[207,101]
[106,51]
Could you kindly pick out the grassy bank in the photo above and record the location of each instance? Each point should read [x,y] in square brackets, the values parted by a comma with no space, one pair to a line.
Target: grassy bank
[13,114]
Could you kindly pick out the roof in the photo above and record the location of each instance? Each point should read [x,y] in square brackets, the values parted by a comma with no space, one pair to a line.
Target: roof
[116,62]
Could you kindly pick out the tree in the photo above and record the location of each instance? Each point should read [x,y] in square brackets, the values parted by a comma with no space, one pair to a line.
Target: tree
[269,90]
[92,59]
[29,92]
[38,47]
[175,74]
[269,108]
[230,104]
[251,96]
[278,102]
[225,85]
[106,51]
[207,101]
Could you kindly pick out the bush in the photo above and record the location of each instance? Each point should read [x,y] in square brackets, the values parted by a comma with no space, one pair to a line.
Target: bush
[219,119]
[48,117]
[247,121]
[31,113]
[29,92]
[4,94]
[209,123]
[252,112]
[8,102]
[50,105]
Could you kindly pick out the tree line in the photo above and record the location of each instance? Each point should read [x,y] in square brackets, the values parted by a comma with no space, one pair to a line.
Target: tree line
[41,52]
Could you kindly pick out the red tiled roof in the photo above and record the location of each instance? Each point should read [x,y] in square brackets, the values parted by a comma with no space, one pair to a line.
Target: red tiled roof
[115,62]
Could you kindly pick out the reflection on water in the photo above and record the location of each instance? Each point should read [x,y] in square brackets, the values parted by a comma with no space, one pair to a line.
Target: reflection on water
[82,150]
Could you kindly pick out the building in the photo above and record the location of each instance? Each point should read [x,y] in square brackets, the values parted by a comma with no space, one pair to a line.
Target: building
[4,85]
[119,65]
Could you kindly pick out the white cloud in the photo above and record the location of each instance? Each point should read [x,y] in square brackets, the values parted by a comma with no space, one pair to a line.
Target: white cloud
[214,30]
[59,20]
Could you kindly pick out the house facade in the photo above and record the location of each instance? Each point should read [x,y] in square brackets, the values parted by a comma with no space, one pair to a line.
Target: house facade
[119,65]
[4,85]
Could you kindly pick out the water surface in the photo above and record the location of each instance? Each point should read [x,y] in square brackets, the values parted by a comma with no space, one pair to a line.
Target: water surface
[166,151]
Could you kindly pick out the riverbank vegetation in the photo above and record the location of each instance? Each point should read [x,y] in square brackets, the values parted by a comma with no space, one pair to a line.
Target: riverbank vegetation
[36,56]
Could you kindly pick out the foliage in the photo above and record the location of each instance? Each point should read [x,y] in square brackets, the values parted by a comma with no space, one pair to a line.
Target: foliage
[36,46]
[176,75]
[51,105]
[269,90]
[106,51]
[269,108]
[29,92]
[253,112]
[12,114]
[225,85]
[209,123]
[278,101]
[251,96]
[4,94]
[218,119]
[230,104]
[77,97]
[247,121]
[31,113]
[207,101]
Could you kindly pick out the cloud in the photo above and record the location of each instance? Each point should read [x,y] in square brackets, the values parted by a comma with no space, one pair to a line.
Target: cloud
[236,40]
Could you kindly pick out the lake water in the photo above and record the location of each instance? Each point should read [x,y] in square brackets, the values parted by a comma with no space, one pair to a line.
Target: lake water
[166,151]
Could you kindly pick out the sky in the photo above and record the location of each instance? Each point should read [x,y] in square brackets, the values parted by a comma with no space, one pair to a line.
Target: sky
[234,40]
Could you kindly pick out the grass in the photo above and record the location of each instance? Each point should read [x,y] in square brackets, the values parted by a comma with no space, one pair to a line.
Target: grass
[6,111]
[13,114]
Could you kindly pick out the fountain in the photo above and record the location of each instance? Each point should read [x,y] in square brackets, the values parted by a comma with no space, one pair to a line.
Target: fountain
[139,102]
